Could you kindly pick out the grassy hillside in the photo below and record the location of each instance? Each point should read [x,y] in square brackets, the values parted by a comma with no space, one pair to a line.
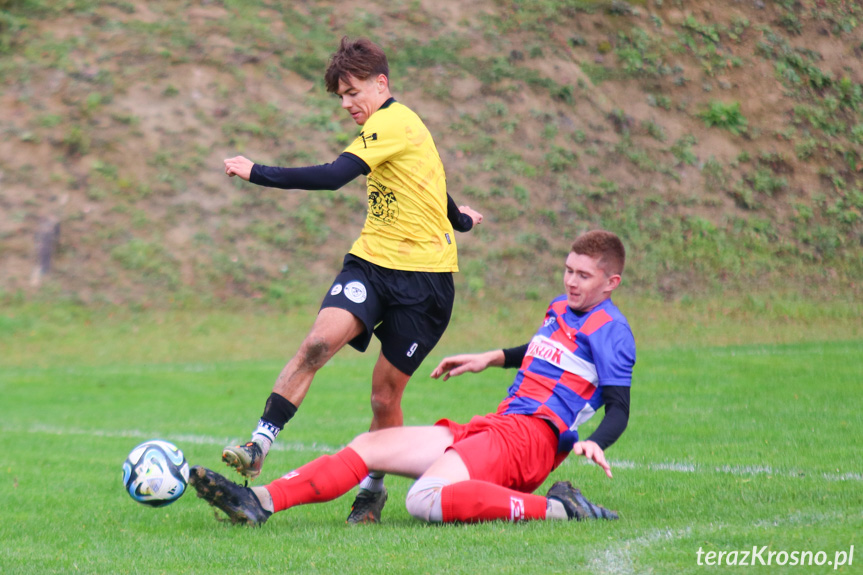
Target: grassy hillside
[721,140]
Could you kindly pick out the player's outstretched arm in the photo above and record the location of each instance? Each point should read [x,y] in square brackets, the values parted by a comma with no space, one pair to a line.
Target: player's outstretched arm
[467,362]
[594,452]
[330,176]
[472,214]
[239,166]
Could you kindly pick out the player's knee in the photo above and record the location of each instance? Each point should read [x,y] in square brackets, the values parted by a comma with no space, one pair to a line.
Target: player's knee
[424,499]
[385,404]
[419,503]
[314,353]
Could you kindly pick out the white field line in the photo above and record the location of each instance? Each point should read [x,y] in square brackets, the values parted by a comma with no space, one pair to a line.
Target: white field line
[179,439]
[618,560]
[136,369]
[725,469]
[315,447]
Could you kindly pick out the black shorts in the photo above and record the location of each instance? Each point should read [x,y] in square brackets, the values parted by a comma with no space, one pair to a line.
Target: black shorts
[407,311]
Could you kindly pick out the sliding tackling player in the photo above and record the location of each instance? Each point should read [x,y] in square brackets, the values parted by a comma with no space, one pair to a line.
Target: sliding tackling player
[580,360]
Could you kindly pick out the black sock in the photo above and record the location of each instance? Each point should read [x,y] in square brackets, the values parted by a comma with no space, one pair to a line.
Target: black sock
[278,411]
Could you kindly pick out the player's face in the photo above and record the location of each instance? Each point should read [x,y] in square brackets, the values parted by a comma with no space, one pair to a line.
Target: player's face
[362,98]
[587,285]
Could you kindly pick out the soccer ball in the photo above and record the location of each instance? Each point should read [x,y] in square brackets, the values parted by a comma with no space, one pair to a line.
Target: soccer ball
[155,473]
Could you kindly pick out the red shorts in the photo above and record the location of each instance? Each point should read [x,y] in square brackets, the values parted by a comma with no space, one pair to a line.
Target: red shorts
[514,451]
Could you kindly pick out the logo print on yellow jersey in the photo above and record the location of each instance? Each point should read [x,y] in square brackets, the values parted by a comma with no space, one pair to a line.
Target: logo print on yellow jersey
[366,139]
[383,207]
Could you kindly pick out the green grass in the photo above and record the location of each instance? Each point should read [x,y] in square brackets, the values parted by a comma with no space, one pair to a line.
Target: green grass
[730,445]
[56,334]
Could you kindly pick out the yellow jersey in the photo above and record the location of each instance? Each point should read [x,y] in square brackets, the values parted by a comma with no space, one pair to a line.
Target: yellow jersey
[406,227]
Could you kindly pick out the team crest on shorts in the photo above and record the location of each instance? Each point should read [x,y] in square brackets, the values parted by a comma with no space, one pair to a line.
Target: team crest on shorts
[355,291]
[337,289]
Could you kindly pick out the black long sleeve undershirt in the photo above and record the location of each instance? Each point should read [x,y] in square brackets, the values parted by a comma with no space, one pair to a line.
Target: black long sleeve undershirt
[333,176]
[460,222]
[614,397]
[513,356]
[616,418]
[330,176]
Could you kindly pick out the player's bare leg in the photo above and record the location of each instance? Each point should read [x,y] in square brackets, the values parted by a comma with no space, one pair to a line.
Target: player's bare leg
[388,387]
[332,329]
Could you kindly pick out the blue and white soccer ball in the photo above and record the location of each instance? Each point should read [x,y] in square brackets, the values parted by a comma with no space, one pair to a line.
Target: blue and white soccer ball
[155,473]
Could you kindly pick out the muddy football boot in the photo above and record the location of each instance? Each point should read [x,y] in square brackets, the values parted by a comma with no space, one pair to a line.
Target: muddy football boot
[367,507]
[577,506]
[239,503]
[246,459]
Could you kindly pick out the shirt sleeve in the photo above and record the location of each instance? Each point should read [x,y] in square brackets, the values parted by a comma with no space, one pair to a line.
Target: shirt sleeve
[616,418]
[460,222]
[614,354]
[513,356]
[330,176]
[379,141]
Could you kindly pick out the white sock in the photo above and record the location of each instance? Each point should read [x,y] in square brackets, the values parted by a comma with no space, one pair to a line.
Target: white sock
[374,482]
[555,510]
[264,497]
[264,438]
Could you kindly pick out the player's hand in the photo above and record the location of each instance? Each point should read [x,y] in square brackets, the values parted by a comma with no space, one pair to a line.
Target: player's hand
[593,452]
[464,363]
[474,215]
[239,166]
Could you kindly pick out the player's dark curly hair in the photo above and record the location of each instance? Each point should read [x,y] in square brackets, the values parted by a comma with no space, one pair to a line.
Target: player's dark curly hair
[605,246]
[361,59]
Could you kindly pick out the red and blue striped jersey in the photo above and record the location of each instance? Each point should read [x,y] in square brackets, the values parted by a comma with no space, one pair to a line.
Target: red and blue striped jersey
[568,359]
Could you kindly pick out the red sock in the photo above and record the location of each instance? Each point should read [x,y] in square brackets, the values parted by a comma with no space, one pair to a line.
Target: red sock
[472,501]
[323,479]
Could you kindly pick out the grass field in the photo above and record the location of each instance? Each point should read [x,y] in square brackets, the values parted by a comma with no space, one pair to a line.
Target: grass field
[729,447]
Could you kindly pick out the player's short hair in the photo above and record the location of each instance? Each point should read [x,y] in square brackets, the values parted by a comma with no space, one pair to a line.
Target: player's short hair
[605,247]
[360,58]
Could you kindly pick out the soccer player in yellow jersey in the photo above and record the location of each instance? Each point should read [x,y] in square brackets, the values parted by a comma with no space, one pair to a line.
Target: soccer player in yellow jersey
[396,281]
